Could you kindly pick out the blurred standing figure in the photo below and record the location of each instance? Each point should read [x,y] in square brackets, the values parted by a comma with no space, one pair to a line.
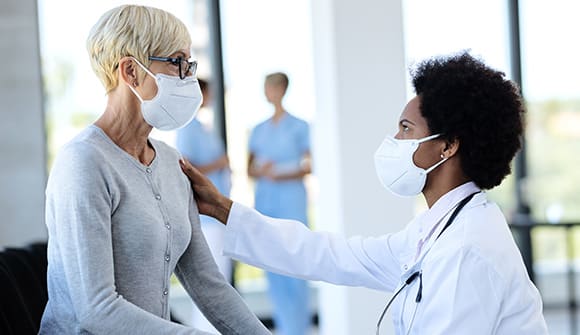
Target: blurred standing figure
[279,160]
[205,150]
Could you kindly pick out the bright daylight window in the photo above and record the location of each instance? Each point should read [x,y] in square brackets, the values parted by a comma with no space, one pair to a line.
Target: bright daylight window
[550,84]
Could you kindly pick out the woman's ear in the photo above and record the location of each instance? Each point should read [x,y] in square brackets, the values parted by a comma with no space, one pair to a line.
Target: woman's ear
[451,148]
[128,71]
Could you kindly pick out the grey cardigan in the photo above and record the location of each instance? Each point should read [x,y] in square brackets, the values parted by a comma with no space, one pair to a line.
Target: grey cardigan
[117,231]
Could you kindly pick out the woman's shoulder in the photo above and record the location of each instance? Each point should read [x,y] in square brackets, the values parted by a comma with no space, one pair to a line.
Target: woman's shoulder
[480,225]
[484,219]
[484,231]
[297,120]
[86,146]
[262,124]
[80,161]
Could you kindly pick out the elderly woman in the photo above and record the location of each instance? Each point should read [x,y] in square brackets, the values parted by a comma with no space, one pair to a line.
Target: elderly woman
[120,214]
[455,268]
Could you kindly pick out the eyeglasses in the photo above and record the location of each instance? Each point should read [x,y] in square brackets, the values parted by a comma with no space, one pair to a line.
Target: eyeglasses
[185,66]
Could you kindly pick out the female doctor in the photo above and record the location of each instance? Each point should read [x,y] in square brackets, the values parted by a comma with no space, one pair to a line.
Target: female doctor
[455,268]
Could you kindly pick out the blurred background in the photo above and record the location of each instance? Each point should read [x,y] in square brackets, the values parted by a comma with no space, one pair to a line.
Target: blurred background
[348,65]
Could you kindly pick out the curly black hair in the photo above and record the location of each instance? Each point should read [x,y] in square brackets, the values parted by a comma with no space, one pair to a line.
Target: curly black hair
[463,99]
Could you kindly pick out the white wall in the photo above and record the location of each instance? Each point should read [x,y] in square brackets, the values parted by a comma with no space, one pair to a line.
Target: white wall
[22,134]
[360,91]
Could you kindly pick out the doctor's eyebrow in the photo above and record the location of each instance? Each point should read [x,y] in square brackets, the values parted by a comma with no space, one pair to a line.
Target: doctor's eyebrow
[406,121]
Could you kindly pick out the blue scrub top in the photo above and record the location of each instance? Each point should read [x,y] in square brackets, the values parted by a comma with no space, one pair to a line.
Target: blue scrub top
[284,143]
[201,146]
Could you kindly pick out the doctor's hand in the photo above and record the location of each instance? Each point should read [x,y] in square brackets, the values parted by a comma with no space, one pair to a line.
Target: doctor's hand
[209,200]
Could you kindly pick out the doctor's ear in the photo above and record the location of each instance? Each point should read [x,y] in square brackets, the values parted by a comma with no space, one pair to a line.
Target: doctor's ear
[128,71]
[451,148]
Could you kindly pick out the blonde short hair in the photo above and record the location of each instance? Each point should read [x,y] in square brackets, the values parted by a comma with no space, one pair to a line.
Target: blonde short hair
[137,31]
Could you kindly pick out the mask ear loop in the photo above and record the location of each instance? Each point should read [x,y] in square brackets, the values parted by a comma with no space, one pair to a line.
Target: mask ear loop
[147,71]
[135,92]
[436,165]
[443,159]
[428,138]
[144,68]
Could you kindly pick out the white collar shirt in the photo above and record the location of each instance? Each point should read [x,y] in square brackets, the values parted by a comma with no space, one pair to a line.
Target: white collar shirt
[473,278]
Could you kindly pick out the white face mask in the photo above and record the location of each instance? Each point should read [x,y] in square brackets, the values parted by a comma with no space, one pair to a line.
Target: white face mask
[396,169]
[176,103]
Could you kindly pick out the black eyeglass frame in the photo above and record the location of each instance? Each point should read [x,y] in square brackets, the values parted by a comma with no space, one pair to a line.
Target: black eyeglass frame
[191,65]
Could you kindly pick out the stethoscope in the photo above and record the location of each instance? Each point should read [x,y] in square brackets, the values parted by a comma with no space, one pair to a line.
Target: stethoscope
[419,273]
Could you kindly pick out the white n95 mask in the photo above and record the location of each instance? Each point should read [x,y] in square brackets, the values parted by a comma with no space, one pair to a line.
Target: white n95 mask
[396,169]
[175,104]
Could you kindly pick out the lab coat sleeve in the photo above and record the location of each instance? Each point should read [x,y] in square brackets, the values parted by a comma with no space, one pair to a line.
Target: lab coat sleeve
[288,247]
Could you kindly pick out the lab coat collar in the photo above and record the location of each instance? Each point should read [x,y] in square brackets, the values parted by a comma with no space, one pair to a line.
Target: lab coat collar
[434,219]
[442,206]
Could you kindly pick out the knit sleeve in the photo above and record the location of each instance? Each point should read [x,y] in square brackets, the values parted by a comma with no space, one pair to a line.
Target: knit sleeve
[215,297]
[78,214]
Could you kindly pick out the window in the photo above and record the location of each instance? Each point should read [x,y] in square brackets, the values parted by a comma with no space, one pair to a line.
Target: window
[450,26]
[550,72]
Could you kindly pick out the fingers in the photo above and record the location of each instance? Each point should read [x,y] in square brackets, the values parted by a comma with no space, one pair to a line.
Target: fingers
[189,170]
[184,163]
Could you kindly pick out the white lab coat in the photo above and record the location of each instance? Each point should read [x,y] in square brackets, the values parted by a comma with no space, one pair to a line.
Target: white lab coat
[474,279]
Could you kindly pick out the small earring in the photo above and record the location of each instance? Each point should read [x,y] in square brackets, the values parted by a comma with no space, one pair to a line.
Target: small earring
[134,84]
[442,157]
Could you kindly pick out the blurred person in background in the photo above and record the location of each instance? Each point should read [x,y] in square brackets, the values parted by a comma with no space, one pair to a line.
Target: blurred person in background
[279,159]
[200,145]
[120,214]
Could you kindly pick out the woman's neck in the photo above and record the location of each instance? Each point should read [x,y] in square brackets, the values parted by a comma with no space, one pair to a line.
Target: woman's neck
[432,195]
[442,180]
[127,129]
